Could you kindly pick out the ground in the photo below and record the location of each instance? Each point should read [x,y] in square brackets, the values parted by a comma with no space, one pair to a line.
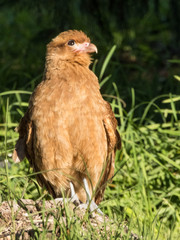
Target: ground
[27,219]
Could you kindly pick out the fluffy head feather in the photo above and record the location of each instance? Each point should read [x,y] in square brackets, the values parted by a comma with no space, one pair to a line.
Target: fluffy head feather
[73,46]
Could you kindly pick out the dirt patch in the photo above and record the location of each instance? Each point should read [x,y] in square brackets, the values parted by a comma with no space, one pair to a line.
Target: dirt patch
[25,219]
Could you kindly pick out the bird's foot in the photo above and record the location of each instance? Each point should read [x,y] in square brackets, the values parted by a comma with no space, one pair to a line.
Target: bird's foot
[74,199]
[90,204]
[92,207]
[82,206]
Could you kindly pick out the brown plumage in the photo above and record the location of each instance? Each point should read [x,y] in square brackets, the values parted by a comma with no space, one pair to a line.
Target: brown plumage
[69,131]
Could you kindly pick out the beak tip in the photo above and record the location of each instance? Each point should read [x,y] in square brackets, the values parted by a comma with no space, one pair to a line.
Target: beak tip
[92,48]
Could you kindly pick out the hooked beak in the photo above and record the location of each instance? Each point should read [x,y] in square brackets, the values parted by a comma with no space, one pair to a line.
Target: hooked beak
[91,48]
[86,47]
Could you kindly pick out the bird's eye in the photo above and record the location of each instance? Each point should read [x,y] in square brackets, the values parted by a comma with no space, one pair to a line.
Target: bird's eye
[71,42]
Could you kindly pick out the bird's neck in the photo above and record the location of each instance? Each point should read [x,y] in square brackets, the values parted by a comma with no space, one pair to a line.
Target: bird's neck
[55,61]
[56,69]
[83,60]
[54,64]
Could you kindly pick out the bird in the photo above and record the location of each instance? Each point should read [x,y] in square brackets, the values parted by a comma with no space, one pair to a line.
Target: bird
[69,132]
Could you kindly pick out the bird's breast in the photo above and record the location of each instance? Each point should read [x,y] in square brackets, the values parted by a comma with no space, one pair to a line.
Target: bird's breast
[68,99]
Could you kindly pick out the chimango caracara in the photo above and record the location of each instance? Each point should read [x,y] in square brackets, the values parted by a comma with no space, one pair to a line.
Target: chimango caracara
[69,131]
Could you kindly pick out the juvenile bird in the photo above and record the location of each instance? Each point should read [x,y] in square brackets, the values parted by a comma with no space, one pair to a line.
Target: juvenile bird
[69,131]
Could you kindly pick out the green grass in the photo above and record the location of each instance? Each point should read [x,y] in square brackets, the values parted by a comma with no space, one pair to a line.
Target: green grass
[145,192]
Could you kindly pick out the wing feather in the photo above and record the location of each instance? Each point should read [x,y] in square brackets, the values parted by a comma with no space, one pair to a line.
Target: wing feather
[23,147]
[113,143]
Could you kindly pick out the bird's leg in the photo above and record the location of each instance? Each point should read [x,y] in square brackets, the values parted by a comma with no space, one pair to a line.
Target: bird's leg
[89,202]
[92,205]
[74,197]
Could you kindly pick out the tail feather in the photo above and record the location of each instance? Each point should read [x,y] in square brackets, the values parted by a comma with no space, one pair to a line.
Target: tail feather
[19,151]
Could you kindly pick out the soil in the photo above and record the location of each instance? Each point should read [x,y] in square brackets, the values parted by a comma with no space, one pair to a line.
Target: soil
[22,219]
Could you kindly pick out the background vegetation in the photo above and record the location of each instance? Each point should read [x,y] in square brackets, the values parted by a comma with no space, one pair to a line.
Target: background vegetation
[136,76]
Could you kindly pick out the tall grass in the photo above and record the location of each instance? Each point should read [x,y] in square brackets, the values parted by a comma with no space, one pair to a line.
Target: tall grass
[147,185]
[145,191]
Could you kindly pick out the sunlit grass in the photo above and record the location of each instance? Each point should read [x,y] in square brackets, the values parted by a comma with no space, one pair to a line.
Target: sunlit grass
[145,190]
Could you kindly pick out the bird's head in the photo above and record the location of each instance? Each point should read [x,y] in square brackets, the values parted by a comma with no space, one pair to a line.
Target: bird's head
[73,46]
